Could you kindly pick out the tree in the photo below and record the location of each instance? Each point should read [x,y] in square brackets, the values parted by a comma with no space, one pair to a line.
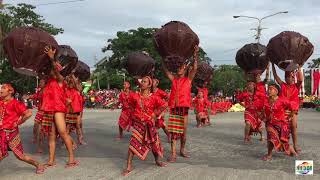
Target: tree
[140,39]
[227,78]
[12,17]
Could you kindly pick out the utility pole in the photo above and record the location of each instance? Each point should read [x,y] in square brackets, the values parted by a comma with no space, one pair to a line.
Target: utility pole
[259,28]
[98,73]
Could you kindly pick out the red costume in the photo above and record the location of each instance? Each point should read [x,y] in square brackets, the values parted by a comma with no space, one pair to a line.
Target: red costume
[316,82]
[145,135]
[204,91]
[260,89]
[37,97]
[160,123]
[10,113]
[125,118]
[291,92]
[251,104]
[278,130]
[179,103]
[201,106]
[54,100]
[75,107]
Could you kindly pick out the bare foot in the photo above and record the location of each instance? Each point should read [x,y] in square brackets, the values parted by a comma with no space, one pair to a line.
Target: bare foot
[40,169]
[126,172]
[297,149]
[266,157]
[161,164]
[184,154]
[50,164]
[172,159]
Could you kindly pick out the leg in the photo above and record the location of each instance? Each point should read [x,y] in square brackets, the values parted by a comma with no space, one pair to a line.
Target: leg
[120,133]
[198,121]
[29,160]
[52,146]
[184,139]
[294,133]
[173,156]
[268,156]
[35,132]
[128,170]
[40,141]
[261,135]
[157,160]
[61,127]
[79,131]
[246,132]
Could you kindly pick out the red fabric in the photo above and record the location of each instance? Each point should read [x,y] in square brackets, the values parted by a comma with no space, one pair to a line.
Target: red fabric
[201,105]
[10,140]
[180,93]
[221,106]
[276,111]
[291,92]
[160,93]
[124,99]
[144,107]
[316,82]
[260,89]
[38,97]
[204,91]
[76,100]
[13,110]
[54,97]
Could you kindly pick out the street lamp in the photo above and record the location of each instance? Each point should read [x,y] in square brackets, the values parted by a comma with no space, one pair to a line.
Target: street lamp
[259,29]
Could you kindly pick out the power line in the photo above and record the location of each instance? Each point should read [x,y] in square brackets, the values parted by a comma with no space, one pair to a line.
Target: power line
[60,2]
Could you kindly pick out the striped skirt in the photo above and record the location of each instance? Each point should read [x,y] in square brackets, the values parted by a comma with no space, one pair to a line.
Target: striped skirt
[176,124]
[278,133]
[71,120]
[145,138]
[39,117]
[253,120]
[10,140]
[47,122]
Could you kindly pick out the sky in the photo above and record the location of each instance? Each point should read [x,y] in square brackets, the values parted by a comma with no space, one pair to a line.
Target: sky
[88,24]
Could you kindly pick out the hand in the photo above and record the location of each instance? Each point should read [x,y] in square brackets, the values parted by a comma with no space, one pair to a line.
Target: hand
[50,52]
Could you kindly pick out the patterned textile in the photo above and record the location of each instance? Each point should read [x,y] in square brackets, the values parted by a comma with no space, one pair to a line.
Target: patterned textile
[278,133]
[47,122]
[39,117]
[176,121]
[10,139]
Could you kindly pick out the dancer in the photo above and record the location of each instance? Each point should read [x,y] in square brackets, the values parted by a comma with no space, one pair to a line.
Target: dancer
[205,93]
[179,103]
[74,104]
[37,133]
[201,107]
[160,123]
[12,114]
[250,101]
[278,131]
[145,135]
[290,90]
[54,107]
[125,120]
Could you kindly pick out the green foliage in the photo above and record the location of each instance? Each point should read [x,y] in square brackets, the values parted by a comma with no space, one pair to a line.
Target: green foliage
[12,17]
[227,78]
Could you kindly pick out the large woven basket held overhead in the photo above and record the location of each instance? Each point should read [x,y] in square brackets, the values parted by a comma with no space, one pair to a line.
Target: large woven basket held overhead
[68,59]
[82,71]
[24,47]
[289,49]
[175,42]
[252,58]
[204,74]
[140,64]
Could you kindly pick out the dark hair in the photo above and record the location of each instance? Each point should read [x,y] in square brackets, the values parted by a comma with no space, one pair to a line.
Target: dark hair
[275,85]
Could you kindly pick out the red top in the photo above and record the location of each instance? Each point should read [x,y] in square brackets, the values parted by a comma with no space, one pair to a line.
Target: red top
[11,112]
[260,89]
[144,107]
[54,97]
[251,102]
[276,111]
[180,95]
[291,92]
[204,91]
[38,97]
[160,93]
[201,105]
[124,99]
[76,100]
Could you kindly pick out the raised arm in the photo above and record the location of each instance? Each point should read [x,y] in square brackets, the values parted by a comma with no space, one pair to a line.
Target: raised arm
[51,52]
[300,76]
[195,63]
[267,78]
[167,72]
[275,75]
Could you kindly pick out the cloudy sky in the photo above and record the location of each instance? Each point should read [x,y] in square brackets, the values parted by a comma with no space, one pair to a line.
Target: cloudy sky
[89,23]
